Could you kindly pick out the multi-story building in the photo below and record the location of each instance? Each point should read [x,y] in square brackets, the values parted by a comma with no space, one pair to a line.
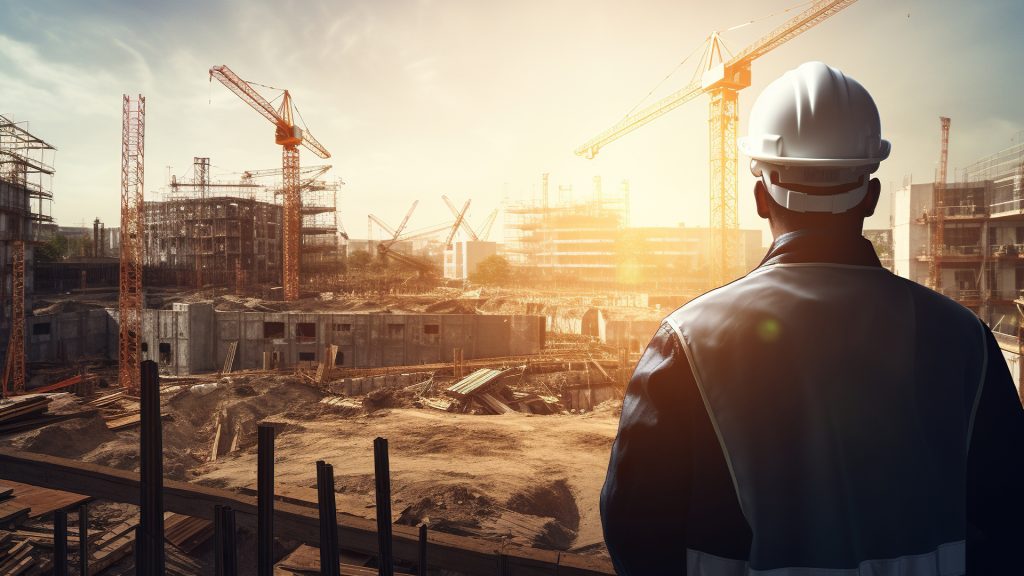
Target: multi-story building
[209,241]
[966,240]
[590,242]
[26,172]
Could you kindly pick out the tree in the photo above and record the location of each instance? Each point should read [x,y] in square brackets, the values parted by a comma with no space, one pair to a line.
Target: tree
[360,259]
[492,270]
[56,248]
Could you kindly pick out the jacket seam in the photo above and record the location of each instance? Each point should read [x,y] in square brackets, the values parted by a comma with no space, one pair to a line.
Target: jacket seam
[981,383]
[695,370]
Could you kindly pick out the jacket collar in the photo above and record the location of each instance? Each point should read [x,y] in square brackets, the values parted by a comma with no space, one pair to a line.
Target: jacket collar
[821,245]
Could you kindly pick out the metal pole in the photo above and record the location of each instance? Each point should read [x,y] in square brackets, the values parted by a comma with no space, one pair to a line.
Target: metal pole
[382,477]
[421,568]
[265,501]
[60,543]
[218,540]
[151,546]
[229,546]
[329,554]
[83,540]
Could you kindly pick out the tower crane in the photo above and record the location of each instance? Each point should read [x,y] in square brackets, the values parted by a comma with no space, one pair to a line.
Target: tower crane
[485,230]
[398,234]
[289,137]
[722,79]
[938,230]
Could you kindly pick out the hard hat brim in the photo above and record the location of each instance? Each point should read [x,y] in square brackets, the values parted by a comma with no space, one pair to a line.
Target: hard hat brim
[744,147]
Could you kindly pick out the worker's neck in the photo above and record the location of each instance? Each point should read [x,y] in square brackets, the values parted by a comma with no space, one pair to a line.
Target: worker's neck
[851,228]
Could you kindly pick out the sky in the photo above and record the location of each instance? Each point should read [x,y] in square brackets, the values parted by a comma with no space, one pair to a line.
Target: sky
[477,98]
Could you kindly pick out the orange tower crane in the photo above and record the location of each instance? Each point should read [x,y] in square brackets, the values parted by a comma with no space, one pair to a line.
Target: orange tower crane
[939,209]
[721,79]
[289,137]
[130,302]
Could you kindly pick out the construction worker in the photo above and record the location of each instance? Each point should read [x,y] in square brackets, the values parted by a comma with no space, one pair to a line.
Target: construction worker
[819,415]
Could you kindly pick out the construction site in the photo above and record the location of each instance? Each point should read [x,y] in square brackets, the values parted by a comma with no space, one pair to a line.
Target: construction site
[179,386]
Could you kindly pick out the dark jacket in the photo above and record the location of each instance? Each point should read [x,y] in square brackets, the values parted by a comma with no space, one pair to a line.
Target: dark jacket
[869,426]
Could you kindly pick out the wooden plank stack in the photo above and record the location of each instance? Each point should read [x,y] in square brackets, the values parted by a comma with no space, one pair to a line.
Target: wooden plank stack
[23,413]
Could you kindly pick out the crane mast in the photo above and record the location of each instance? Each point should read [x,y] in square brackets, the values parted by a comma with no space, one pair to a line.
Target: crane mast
[722,80]
[938,230]
[289,137]
[130,301]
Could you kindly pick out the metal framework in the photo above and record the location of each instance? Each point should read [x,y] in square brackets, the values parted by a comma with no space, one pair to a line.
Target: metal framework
[26,171]
[14,369]
[130,301]
[289,137]
[201,177]
[722,80]
[939,229]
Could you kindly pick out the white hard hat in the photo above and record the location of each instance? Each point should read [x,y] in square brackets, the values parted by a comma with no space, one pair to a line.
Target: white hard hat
[815,133]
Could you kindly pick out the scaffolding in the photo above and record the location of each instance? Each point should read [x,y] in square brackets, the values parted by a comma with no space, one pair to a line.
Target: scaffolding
[207,241]
[570,236]
[228,234]
[26,178]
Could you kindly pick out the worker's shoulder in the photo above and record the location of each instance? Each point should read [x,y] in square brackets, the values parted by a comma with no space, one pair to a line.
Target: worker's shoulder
[761,286]
[940,309]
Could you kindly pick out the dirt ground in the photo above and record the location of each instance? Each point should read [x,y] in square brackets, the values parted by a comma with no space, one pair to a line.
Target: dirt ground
[529,479]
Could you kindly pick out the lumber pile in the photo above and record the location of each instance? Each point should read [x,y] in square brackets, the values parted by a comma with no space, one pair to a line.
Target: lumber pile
[106,400]
[128,419]
[17,557]
[23,412]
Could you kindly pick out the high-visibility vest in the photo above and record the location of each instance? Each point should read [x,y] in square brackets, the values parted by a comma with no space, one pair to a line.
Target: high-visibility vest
[843,399]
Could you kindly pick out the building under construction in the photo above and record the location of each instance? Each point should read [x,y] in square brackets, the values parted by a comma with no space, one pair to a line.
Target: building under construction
[965,239]
[591,242]
[228,234]
[26,173]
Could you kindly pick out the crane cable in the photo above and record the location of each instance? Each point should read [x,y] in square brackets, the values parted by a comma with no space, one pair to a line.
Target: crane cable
[695,50]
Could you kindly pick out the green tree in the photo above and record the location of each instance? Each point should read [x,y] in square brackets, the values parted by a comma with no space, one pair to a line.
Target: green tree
[56,248]
[359,260]
[492,270]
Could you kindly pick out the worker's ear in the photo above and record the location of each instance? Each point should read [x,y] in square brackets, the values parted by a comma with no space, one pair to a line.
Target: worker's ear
[762,199]
[871,198]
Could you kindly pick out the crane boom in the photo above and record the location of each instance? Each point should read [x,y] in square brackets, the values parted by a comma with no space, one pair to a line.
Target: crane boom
[591,147]
[791,29]
[317,171]
[722,80]
[455,212]
[485,232]
[383,225]
[247,93]
[289,137]
[314,145]
[460,217]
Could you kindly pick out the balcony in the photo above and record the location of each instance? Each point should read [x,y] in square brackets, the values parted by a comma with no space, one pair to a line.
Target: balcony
[1007,209]
[962,253]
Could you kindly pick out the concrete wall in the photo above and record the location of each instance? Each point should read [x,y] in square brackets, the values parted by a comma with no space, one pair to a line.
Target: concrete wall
[193,338]
[69,336]
[371,340]
[909,237]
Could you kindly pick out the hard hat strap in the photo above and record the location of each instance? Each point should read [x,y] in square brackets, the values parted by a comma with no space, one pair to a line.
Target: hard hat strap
[802,202]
